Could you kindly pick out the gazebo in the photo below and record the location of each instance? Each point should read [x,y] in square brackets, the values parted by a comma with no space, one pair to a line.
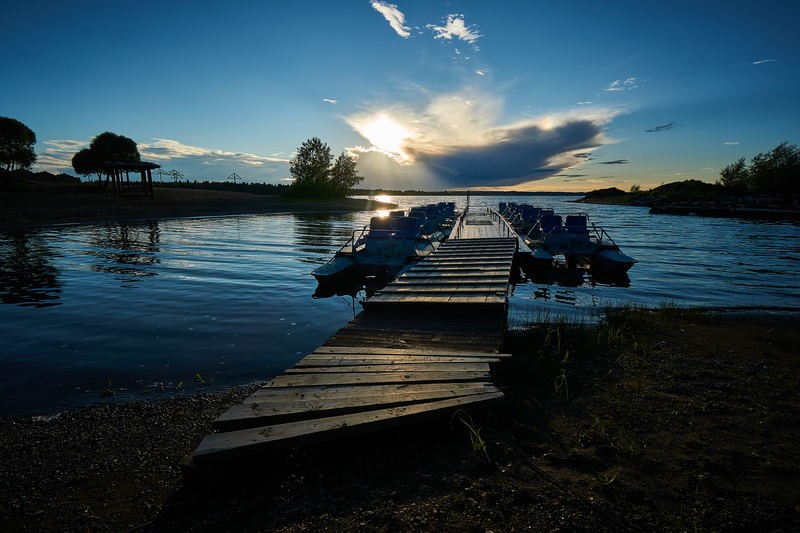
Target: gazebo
[145,169]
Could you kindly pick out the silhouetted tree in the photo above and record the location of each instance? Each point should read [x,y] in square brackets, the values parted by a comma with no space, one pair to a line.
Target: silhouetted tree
[16,144]
[85,163]
[105,148]
[773,172]
[112,147]
[736,176]
[778,171]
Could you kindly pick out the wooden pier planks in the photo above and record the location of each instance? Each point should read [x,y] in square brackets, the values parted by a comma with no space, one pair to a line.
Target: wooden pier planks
[463,274]
[389,366]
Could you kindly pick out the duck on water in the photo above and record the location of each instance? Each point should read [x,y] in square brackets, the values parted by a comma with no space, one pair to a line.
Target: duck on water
[387,244]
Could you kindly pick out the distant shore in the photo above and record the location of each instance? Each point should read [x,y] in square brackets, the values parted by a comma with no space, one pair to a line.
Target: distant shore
[673,420]
[64,205]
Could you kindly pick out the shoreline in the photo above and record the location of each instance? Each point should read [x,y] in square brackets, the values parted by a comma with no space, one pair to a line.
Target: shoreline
[30,209]
[674,419]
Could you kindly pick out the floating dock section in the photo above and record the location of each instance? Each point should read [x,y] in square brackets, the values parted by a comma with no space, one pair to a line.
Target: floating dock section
[421,349]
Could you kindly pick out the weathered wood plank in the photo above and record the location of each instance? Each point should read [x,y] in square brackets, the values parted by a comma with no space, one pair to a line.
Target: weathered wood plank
[242,443]
[410,351]
[470,366]
[255,414]
[267,393]
[388,360]
[368,378]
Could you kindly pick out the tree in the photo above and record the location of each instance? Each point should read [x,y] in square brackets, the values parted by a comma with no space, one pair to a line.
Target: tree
[635,188]
[85,163]
[105,148]
[344,175]
[112,147]
[310,167]
[16,144]
[778,171]
[736,176]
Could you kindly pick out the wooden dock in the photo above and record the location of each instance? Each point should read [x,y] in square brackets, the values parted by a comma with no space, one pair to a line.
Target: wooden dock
[421,349]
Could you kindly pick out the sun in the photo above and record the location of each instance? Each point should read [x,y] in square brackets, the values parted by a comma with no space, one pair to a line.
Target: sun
[386,134]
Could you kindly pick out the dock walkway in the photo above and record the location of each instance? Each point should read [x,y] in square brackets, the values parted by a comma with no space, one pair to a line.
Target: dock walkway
[421,349]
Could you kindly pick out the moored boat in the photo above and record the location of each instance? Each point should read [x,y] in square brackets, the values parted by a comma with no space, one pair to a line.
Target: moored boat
[387,244]
[576,239]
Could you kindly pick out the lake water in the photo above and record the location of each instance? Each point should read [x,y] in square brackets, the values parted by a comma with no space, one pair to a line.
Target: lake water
[150,309]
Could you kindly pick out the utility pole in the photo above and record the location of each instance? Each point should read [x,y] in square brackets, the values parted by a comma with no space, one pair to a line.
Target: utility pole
[233,177]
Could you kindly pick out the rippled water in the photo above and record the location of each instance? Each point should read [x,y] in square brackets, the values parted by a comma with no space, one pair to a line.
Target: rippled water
[152,308]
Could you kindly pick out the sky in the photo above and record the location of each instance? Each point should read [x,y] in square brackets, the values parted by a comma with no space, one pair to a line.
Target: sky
[426,94]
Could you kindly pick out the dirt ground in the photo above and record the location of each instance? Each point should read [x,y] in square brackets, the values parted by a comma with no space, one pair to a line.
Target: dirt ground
[669,420]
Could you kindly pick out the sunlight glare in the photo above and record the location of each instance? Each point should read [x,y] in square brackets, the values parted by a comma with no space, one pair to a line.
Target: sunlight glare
[386,134]
[383,198]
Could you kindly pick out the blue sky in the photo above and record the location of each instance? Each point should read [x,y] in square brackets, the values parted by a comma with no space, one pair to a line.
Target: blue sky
[572,95]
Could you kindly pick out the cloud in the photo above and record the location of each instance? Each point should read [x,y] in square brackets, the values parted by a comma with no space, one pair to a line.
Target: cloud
[329,101]
[731,143]
[57,155]
[194,161]
[762,61]
[455,140]
[663,127]
[583,103]
[480,72]
[615,162]
[394,16]
[628,84]
[455,27]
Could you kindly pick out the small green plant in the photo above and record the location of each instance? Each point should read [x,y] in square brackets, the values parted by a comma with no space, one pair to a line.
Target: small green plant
[179,386]
[604,478]
[477,443]
[201,380]
[561,383]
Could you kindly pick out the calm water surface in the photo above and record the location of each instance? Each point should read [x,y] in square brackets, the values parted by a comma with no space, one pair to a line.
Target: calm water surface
[151,308]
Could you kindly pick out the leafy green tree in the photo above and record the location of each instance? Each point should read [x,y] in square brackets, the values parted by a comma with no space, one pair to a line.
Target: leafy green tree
[736,176]
[344,174]
[310,168]
[316,174]
[16,144]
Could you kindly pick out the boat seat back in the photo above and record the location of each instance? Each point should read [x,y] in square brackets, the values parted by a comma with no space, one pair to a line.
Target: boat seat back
[576,224]
[407,227]
[418,212]
[550,223]
[396,214]
[380,227]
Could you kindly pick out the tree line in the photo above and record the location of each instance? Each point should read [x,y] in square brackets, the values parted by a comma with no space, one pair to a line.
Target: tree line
[773,172]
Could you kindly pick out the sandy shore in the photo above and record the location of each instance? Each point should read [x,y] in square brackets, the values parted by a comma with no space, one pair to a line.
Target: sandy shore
[670,421]
[71,204]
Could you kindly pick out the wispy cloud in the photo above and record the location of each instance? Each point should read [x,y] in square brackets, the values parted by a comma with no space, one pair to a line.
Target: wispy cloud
[627,84]
[57,155]
[329,100]
[583,103]
[394,16]
[455,139]
[194,161]
[762,61]
[615,162]
[731,143]
[456,28]
[480,72]
[169,149]
[663,127]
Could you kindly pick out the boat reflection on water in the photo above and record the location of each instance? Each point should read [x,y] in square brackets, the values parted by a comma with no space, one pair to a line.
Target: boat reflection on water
[564,276]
